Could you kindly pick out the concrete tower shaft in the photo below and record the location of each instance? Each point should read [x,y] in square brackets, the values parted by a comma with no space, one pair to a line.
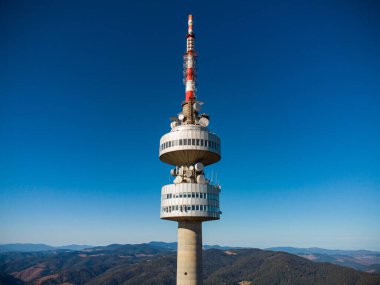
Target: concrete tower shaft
[189,257]
[192,198]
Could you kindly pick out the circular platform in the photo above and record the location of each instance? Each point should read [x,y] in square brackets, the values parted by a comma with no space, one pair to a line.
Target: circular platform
[190,201]
[189,144]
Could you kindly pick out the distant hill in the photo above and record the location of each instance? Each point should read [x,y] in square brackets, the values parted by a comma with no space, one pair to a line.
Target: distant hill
[267,267]
[155,263]
[168,245]
[25,247]
[173,245]
[296,250]
[364,260]
[74,247]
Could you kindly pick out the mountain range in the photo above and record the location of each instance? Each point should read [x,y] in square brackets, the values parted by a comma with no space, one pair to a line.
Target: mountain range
[25,247]
[312,250]
[29,247]
[364,260]
[155,263]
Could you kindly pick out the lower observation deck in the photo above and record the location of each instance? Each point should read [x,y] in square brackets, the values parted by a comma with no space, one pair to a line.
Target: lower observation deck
[190,201]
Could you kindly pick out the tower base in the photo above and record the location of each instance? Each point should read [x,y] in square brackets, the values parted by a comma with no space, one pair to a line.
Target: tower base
[189,253]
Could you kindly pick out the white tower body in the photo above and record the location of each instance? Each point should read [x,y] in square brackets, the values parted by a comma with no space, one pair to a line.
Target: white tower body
[191,199]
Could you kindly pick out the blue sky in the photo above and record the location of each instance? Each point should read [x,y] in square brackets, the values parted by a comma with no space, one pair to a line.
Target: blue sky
[87,89]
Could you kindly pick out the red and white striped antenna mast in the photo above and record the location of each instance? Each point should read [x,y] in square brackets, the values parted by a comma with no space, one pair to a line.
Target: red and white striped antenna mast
[190,58]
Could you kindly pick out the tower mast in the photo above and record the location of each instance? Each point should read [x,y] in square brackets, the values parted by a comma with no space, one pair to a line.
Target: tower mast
[191,199]
[189,72]
[190,63]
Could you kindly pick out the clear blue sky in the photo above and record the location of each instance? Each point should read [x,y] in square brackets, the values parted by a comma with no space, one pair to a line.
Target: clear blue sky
[292,87]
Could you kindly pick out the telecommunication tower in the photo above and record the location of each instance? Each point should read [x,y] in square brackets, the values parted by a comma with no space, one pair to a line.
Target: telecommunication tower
[192,198]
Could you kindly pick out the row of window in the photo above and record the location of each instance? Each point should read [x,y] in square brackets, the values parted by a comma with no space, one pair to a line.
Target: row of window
[198,142]
[192,195]
[186,208]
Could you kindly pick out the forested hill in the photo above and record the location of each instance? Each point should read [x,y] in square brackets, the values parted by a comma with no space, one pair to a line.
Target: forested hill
[148,265]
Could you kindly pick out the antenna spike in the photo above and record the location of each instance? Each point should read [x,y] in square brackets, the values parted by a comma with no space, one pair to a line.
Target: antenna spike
[189,63]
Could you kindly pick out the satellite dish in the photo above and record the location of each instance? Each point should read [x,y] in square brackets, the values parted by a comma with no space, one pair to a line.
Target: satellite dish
[191,167]
[199,166]
[178,180]
[197,106]
[181,117]
[173,124]
[203,122]
[172,172]
[201,179]
[189,174]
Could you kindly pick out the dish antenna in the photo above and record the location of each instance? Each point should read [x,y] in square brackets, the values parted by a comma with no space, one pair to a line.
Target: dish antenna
[204,122]
[173,124]
[197,107]
[199,167]
[181,117]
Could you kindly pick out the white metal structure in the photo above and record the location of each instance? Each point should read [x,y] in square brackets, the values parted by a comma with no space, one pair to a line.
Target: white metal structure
[191,199]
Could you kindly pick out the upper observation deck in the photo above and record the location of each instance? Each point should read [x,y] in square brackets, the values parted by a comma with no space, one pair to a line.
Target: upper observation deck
[189,144]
